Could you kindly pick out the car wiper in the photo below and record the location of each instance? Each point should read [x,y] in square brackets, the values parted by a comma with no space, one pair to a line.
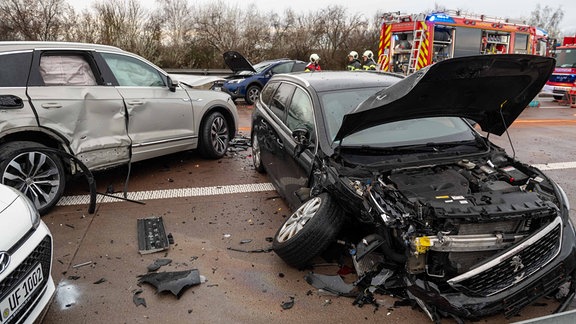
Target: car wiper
[416,148]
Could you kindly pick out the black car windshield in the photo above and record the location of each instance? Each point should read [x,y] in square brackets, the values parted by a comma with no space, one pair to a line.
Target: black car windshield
[262,66]
[420,131]
[336,104]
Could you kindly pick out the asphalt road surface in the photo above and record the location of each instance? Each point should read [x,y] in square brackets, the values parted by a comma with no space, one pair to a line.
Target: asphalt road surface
[222,215]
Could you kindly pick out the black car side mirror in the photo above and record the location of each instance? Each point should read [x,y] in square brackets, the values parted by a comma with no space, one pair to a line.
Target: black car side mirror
[301,137]
[172,84]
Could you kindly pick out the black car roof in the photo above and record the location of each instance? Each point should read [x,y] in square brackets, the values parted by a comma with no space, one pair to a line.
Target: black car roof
[339,80]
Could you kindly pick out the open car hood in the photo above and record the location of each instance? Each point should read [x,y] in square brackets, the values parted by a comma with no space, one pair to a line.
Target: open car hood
[236,62]
[492,90]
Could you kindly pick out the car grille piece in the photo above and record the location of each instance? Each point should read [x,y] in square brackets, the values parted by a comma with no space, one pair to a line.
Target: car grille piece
[151,235]
[42,254]
[542,287]
[514,265]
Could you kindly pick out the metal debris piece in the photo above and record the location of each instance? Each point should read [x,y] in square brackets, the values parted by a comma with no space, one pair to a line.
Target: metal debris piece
[151,235]
[175,282]
[81,264]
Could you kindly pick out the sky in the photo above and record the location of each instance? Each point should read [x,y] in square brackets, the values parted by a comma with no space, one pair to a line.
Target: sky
[514,9]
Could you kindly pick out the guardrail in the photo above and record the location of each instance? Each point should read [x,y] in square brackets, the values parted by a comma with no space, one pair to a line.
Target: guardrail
[200,71]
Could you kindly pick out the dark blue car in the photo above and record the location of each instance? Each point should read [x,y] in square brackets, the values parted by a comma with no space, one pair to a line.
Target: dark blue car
[248,80]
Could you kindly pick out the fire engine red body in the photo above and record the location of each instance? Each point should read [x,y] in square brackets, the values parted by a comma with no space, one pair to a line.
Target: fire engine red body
[411,42]
[562,82]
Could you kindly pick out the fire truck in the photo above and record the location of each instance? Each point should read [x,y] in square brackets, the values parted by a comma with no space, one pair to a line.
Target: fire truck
[562,82]
[411,42]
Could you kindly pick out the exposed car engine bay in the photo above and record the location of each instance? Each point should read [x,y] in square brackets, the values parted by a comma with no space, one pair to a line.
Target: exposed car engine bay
[448,221]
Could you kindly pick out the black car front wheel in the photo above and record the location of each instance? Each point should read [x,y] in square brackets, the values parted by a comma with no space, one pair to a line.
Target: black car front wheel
[252,94]
[37,174]
[215,136]
[309,231]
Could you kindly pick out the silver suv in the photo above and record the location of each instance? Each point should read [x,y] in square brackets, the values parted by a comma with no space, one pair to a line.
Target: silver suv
[67,104]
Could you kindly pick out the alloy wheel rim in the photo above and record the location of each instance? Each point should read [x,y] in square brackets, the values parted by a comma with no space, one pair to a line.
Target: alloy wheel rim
[256,152]
[219,135]
[36,175]
[253,95]
[299,219]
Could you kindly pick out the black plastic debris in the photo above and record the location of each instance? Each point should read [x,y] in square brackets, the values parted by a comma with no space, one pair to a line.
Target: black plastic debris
[288,304]
[99,281]
[137,299]
[240,142]
[331,284]
[158,263]
[175,282]
[151,235]
[263,250]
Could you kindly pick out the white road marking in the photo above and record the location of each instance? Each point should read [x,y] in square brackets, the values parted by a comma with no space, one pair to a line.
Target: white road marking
[555,166]
[221,190]
[170,193]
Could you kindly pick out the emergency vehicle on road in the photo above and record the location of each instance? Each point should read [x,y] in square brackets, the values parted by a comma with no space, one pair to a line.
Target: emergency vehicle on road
[411,42]
[562,82]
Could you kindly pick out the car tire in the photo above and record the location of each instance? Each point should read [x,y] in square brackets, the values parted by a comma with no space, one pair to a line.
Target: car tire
[308,231]
[215,136]
[38,174]
[256,155]
[252,94]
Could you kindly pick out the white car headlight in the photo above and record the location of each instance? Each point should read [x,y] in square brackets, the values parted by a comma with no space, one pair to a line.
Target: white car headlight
[236,81]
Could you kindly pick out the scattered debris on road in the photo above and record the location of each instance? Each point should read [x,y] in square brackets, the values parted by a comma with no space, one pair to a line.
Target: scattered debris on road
[175,282]
[151,235]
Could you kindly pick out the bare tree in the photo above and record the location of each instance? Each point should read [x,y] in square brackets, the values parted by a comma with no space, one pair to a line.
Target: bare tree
[548,19]
[219,26]
[33,19]
[336,30]
[122,23]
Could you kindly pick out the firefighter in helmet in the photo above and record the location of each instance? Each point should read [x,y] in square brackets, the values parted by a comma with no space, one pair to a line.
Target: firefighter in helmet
[314,64]
[368,62]
[353,62]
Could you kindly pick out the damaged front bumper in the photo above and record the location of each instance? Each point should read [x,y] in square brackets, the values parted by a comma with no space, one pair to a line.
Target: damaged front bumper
[510,299]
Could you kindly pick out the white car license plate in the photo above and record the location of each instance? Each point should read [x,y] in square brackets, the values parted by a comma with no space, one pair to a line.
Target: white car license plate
[19,295]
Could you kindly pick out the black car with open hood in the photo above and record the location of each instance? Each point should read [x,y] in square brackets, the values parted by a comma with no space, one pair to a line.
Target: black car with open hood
[492,90]
[423,205]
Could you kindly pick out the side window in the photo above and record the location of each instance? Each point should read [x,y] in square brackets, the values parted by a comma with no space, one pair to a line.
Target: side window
[14,69]
[299,66]
[280,100]
[132,72]
[283,68]
[268,92]
[300,113]
[66,70]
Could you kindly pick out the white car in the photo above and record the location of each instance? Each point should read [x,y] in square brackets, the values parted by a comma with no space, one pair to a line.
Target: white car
[26,284]
[100,106]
